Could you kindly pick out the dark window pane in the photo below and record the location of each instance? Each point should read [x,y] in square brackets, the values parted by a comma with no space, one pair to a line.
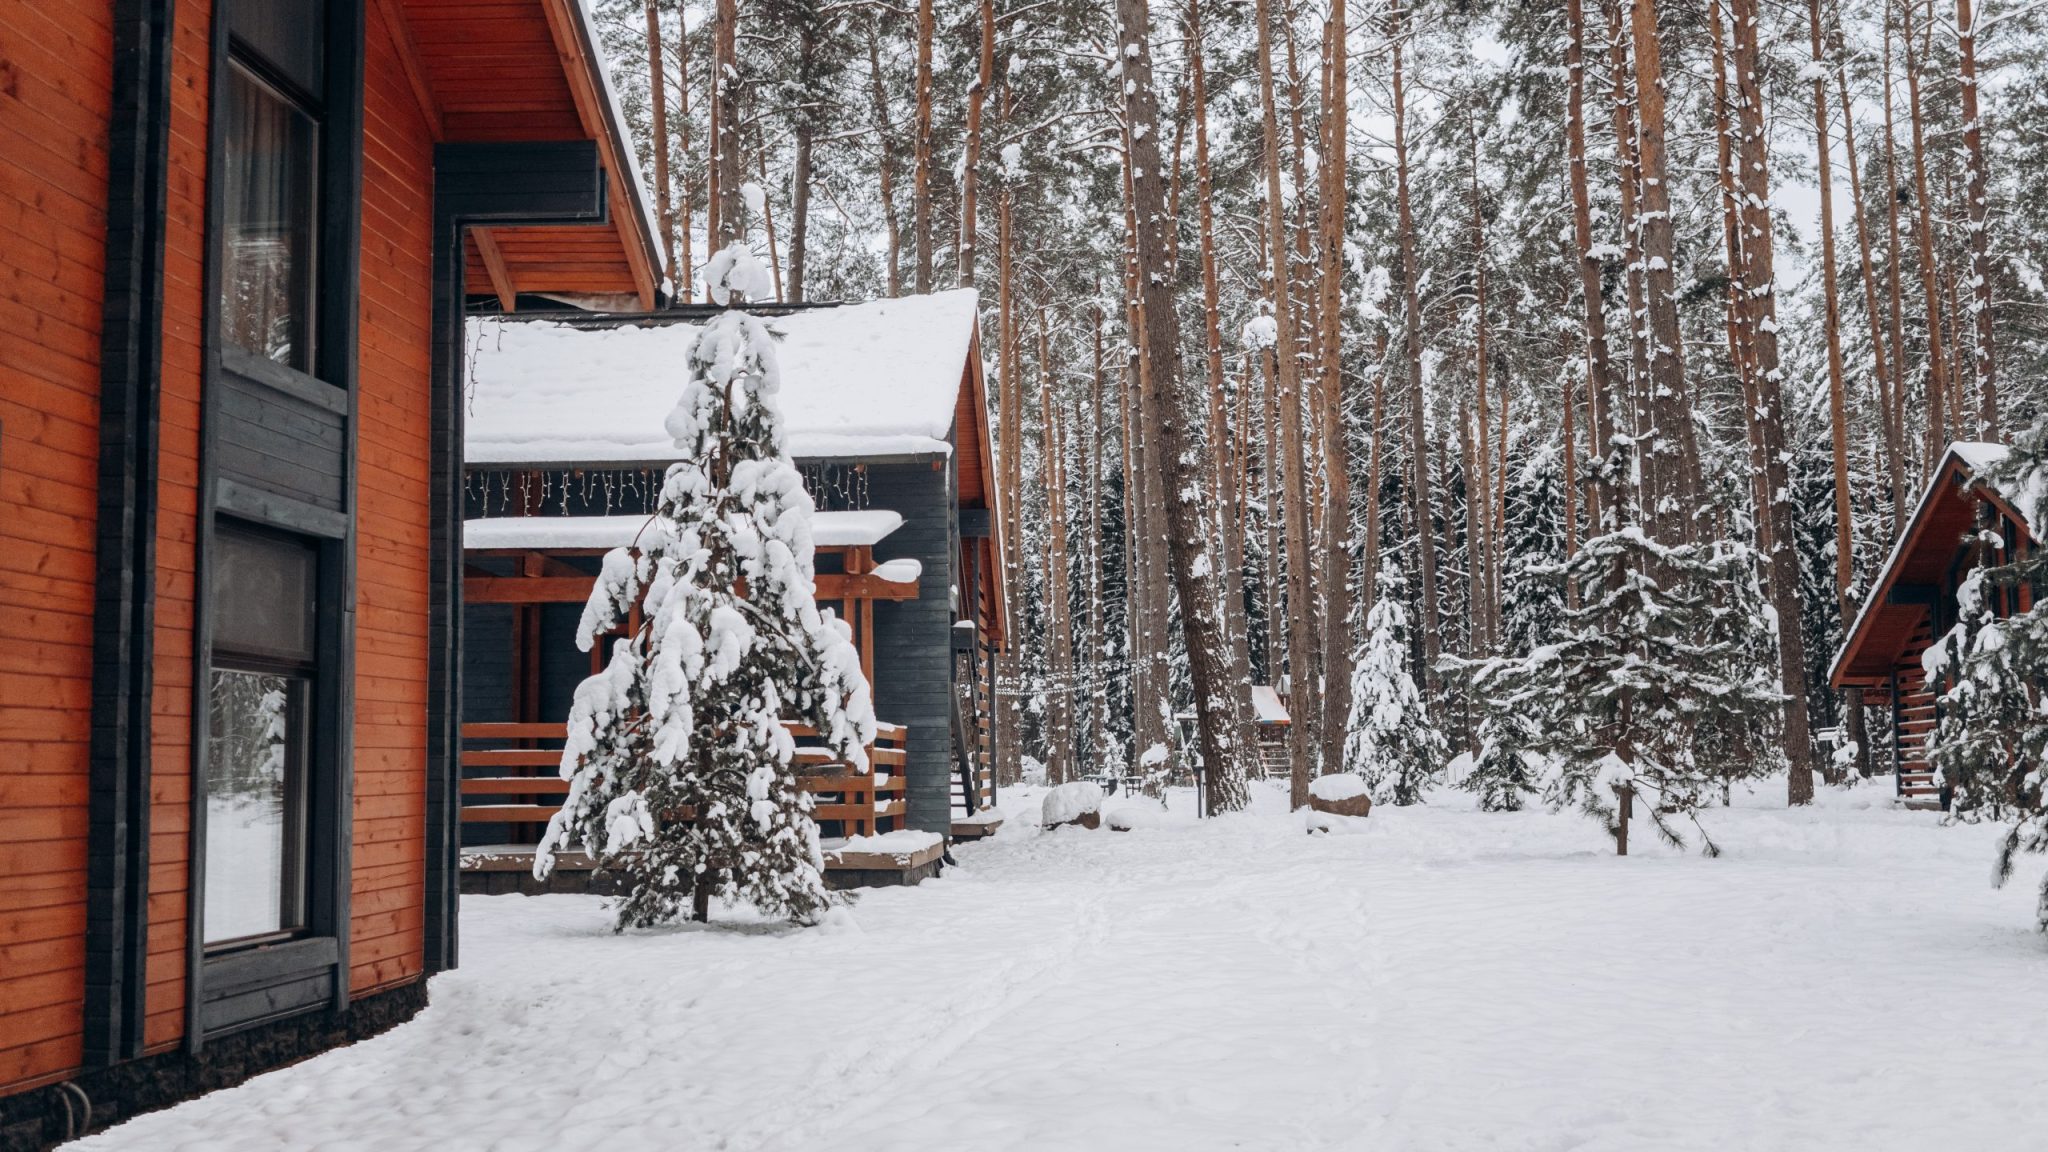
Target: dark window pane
[255,805]
[266,305]
[263,589]
[289,35]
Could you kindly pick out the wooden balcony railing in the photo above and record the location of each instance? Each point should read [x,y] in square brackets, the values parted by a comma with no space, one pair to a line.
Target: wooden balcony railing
[514,779]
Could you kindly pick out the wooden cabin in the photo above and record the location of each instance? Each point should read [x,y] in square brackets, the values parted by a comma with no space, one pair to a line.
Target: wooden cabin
[1269,724]
[1912,604]
[884,412]
[239,237]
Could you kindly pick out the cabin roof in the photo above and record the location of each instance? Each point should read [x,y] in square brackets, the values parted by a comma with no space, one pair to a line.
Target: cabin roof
[862,381]
[585,533]
[1266,706]
[1922,555]
[503,71]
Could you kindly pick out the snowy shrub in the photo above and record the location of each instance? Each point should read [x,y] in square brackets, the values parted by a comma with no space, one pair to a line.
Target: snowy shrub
[1391,741]
[1990,745]
[678,763]
[1070,802]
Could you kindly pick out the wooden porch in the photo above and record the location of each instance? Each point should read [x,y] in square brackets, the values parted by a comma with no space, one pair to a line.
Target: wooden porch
[511,780]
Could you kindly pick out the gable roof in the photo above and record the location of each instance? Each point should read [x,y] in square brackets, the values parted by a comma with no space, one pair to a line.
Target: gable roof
[880,379]
[1929,538]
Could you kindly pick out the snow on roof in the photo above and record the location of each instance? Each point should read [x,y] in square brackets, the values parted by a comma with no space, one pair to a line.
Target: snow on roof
[1266,706]
[828,530]
[1978,454]
[865,380]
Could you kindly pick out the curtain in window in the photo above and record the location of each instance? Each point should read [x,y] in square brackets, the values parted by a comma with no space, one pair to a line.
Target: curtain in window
[267,252]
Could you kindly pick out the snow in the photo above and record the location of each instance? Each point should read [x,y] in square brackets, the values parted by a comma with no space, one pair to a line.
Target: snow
[1338,786]
[873,379]
[1842,978]
[1071,801]
[903,571]
[1266,705]
[828,530]
[1134,812]
[901,842]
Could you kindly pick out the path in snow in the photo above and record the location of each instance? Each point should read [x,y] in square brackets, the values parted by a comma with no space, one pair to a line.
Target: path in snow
[1842,978]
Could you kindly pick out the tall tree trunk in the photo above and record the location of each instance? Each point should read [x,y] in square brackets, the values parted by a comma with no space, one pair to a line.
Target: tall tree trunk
[1010,410]
[921,184]
[1599,375]
[768,218]
[1753,154]
[1219,719]
[727,223]
[1336,612]
[1287,402]
[1838,408]
[1059,634]
[685,271]
[1152,673]
[1628,415]
[1479,474]
[799,211]
[1664,501]
[1937,354]
[1894,289]
[1099,693]
[886,170]
[1888,404]
[1307,697]
[1838,411]
[1228,523]
[657,87]
[1418,428]
[970,168]
[1975,196]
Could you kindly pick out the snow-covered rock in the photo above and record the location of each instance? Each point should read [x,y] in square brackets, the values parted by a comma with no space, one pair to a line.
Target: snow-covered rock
[1340,794]
[1134,812]
[1077,803]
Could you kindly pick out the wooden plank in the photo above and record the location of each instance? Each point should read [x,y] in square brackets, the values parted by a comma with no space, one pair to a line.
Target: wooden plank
[512,758]
[508,813]
[501,731]
[494,267]
[514,786]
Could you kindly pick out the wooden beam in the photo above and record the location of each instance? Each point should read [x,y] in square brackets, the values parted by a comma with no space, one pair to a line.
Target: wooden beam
[392,12]
[579,69]
[526,589]
[494,265]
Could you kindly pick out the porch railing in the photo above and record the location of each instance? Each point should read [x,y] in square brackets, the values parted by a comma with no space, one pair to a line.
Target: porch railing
[510,776]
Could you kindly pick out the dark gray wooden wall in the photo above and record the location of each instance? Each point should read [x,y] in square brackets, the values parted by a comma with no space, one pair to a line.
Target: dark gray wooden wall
[914,638]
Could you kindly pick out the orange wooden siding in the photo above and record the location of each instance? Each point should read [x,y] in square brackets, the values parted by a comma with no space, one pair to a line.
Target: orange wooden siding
[56,79]
[388,899]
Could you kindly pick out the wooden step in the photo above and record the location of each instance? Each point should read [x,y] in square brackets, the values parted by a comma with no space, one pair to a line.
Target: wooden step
[515,786]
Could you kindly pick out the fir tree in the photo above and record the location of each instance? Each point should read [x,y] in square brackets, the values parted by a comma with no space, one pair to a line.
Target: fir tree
[1991,743]
[678,763]
[1661,681]
[1532,604]
[1391,741]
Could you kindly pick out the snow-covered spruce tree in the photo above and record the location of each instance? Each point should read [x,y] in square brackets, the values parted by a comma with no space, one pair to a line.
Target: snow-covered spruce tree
[1661,680]
[1532,605]
[1391,741]
[678,763]
[1990,747]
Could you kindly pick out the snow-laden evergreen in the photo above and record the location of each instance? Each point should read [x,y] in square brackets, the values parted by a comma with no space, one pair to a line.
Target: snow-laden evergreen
[1391,741]
[1991,743]
[678,763]
[1661,681]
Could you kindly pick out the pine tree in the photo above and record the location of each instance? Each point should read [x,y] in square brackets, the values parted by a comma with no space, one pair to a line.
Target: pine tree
[1990,747]
[1391,739]
[678,763]
[1662,681]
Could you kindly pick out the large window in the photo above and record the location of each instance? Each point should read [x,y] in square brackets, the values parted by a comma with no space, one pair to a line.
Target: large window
[270,155]
[260,692]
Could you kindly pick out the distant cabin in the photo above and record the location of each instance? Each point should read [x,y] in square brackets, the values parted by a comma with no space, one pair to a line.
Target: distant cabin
[884,411]
[1912,604]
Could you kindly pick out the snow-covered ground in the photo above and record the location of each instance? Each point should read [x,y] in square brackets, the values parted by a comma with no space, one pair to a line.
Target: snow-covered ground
[1843,977]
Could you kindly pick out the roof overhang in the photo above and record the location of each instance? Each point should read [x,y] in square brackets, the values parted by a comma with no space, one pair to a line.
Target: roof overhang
[501,71]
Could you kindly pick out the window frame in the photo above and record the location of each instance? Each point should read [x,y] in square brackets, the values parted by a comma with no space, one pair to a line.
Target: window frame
[305,493]
[271,81]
